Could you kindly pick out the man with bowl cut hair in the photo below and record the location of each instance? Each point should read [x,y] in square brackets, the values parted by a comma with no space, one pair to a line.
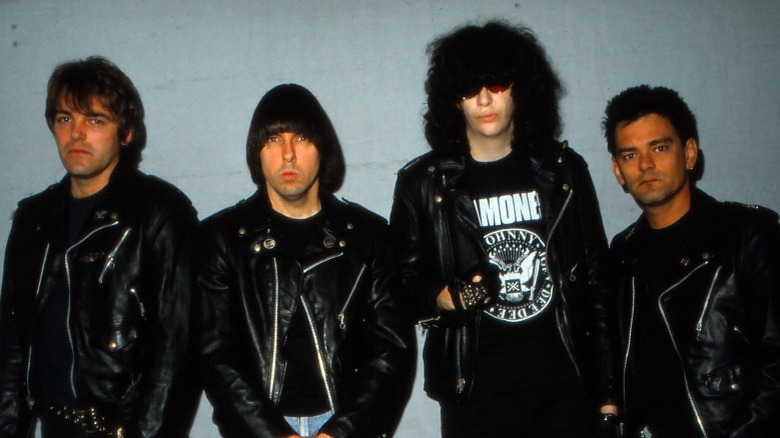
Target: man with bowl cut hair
[302,334]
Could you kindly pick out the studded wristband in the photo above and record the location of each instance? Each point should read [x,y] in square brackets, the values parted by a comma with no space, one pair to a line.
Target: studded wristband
[472,293]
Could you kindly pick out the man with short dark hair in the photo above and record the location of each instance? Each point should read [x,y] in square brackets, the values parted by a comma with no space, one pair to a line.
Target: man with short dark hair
[301,331]
[96,286]
[698,284]
[501,246]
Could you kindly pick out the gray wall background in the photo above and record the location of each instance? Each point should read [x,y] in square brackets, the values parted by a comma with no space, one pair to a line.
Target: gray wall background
[201,68]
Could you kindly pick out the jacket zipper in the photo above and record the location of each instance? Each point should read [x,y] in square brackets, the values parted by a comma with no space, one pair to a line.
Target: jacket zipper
[111,255]
[319,262]
[739,332]
[70,293]
[563,298]
[628,342]
[341,316]
[700,322]
[318,349]
[141,307]
[460,381]
[566,345]
[560,215]
[573,277]
[676,348]
[274,351]
[29,348]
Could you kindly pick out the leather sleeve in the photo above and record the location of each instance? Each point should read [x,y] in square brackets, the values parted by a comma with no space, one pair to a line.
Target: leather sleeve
[600,295]
[15,416]
[418,262]
[758,277]
[168,246]
[232,387]
[375,402]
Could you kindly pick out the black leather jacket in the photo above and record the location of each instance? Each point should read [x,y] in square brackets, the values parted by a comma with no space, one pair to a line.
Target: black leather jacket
[435,226]
[722,311]
[249,286]
[129,279]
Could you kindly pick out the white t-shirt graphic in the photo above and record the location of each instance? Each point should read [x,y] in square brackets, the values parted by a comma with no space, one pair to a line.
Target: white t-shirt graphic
[518,252]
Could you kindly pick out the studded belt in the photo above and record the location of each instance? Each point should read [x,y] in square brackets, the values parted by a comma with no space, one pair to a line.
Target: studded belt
[88,420]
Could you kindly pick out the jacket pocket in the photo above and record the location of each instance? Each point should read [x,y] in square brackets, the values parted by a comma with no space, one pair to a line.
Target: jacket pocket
[121,338]
[724,380]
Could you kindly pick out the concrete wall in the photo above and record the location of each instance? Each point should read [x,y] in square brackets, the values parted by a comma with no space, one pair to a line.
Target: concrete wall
[201,68]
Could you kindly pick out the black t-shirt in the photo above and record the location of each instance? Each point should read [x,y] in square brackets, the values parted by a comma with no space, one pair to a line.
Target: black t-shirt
[303,388]
[519,343]
[658,397]
[55,355]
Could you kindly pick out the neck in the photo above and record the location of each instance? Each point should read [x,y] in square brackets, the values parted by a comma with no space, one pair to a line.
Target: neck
[299,208]
[83,188]
[489,149]
[666,214]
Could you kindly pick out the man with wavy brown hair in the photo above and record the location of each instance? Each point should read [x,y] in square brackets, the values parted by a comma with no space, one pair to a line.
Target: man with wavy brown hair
[95,304]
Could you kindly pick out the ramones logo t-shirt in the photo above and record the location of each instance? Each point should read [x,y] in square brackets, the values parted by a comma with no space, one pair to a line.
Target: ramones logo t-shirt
[519,340]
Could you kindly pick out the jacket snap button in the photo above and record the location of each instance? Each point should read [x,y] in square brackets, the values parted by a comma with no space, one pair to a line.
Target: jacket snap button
[114,216]
[566,187]
[437,199]
[269,243]
[560,160]
[684,261]
[112,345]
[705,256]
[350,226]
[431,169]
[342,243]
[735,386]
[256,247]
[241,231]
[329,242]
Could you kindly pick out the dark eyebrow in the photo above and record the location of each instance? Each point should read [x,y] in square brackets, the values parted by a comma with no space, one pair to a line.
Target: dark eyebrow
[660,140]
[98,114]
[654,142]
[88,113]
[629,148]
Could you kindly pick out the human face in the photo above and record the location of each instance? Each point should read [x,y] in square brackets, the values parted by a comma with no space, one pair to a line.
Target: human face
[488,116]
[290,164]
[652,164]
[88,144]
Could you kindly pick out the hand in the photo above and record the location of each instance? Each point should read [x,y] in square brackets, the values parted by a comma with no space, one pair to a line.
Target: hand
[319,435]
[608,424]
[444,300]
[609,409]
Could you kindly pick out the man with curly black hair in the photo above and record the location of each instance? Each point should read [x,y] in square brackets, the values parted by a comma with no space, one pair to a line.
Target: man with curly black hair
[501,246]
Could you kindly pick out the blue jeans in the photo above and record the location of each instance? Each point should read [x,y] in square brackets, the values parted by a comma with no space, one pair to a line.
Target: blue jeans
[308,426]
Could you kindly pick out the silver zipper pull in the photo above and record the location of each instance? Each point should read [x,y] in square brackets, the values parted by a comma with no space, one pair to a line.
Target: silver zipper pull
[340,317]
